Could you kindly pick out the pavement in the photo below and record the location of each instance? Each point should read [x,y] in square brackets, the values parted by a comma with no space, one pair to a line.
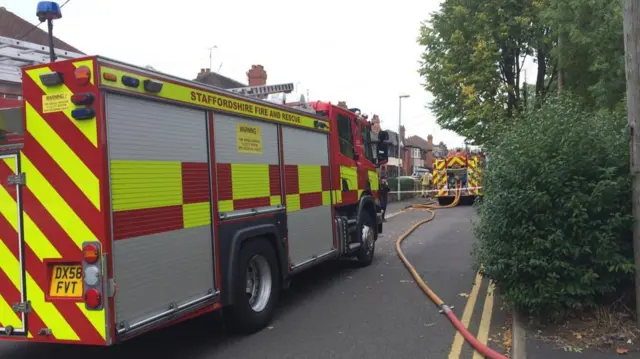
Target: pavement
[337,310]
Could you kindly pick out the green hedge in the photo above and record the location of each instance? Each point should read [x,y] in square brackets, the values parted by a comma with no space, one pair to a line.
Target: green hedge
[407,183]
[554,225]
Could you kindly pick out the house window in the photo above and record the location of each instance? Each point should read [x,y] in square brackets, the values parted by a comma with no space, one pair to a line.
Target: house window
[416,153]
[345,136]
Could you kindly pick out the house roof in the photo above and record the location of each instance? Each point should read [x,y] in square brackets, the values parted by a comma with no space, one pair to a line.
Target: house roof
[15,27]
[417,141]
[217,80]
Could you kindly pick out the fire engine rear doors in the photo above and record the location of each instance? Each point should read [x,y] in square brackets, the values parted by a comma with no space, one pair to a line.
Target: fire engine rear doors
[12,293]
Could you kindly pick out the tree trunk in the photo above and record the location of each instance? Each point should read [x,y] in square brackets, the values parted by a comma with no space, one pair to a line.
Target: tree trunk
[632,63]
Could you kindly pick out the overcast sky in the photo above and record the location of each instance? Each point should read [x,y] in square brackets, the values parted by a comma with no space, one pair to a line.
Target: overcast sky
[351,51]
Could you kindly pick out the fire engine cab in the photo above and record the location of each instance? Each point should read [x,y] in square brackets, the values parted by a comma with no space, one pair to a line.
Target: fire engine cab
[132,199]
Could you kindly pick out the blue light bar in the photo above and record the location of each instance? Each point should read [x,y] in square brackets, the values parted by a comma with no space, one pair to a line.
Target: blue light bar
[48,10]
[130,81]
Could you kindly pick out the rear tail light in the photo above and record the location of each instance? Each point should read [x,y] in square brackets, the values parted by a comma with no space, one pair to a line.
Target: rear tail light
[82,75]
[93,275]
[93,299]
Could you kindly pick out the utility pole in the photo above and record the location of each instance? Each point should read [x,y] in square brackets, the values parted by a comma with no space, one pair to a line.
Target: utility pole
[632,64]
[560,35]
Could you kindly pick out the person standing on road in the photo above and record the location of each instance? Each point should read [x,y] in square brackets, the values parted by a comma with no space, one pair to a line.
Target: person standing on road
[384,192]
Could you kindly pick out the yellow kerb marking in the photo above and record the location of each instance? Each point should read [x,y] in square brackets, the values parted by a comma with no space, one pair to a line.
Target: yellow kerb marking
[87,127]
[64,156]
[145,184]
[55,205]
[485,321]
[46,311]
[456,347]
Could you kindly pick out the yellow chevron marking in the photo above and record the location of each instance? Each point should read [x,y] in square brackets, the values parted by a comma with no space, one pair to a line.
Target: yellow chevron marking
[32,234]
[96,318]
[87,127]
[89,64]
[8,317]
[46,311]
[64,156]
[56,205]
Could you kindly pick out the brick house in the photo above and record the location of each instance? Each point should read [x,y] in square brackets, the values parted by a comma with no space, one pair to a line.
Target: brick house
[15,27]
[417,153]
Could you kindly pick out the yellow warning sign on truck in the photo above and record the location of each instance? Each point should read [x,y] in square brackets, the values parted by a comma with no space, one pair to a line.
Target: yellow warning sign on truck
[56,102]
[249,139]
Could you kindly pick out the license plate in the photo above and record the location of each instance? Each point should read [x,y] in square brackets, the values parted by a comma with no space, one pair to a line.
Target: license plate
[66,281]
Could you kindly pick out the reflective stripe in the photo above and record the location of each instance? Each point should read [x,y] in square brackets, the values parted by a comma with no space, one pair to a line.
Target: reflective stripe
[196,214]
[145,184]
[70,163]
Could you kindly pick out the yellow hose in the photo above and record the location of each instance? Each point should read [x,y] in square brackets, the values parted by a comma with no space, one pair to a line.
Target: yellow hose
[421,283]
[483,349]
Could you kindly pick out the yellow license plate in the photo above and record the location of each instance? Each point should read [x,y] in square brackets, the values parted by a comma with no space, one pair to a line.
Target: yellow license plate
[66,281]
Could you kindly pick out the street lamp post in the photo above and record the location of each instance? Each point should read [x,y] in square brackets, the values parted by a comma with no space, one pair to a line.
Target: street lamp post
[399,139]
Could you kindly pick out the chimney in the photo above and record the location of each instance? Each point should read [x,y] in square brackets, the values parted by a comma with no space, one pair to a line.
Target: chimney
[402,133]
[257,76]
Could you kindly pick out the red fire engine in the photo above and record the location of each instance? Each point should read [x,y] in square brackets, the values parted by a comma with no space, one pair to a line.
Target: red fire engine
[131,200]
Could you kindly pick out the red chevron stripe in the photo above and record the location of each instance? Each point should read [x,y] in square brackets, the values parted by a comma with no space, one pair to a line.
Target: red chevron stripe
[45,222]
[65,187]
[38,271]
[9,290]
[69,133]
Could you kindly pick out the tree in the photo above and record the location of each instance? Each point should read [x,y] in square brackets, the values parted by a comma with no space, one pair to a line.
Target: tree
[474,53]
[473,58]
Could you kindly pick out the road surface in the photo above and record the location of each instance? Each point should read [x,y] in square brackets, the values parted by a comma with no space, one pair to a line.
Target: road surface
[340,311]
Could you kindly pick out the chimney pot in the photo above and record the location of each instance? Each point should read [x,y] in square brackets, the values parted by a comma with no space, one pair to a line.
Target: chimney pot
[257,76]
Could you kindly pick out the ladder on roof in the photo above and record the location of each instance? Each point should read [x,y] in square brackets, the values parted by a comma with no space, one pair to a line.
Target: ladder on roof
[14,54]
[263,91]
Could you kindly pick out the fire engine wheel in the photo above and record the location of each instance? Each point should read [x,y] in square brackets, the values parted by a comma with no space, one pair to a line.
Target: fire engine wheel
[368,236]
[256,288]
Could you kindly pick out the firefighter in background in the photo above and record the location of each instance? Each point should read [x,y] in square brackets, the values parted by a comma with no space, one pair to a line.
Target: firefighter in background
[426,185]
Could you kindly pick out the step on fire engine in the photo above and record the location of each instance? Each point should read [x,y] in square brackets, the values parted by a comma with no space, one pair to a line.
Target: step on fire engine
[458,167]
[131,200]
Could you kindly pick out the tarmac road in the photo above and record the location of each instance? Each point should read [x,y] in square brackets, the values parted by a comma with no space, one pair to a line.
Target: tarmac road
[338,310]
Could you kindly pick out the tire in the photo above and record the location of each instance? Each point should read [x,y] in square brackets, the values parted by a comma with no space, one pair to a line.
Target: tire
[251,313]
[365,254]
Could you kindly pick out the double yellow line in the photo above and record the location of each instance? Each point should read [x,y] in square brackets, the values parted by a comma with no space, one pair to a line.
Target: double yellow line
[485,320]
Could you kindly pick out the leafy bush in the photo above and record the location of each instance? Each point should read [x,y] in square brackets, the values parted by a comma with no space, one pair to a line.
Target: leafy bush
[407,183]
[555,221]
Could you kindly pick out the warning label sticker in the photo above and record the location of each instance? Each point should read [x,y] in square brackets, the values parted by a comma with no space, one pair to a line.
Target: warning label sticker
[56,103]
[249,139]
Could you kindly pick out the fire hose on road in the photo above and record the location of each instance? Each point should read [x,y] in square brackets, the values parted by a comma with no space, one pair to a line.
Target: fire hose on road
[473,341]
